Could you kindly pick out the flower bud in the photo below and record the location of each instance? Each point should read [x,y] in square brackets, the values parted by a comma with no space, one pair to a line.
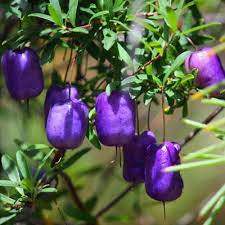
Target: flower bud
[67,124]
[160,185]
[115,118]
[134,154]
[209,66]
[22,72]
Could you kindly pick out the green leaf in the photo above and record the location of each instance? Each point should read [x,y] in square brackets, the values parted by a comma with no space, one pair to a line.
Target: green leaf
[92,137]
[178,61]
[109,39]
[8,183]
[56,5]
[11,169]
[198,164]
[112,87]
[44,161]
[27,184]
[148,96]
[216,209]
[124,55]
[79,30]
[54,15]
[108,5]
[22,164]
[128,81]
[69,162]
[171,18]
[214,101]
[7,218]
[6,199]
[207,207]
[201,27]
[72,12]
[208,149]
[42,16]
[47,56]
[28,147]
[99,14]
[48,190]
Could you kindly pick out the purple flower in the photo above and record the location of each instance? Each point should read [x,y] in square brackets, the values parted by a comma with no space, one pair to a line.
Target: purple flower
[115,118]
[134,154]
[67,124]
[22,72]
[160,185]
[209,66]
[57,94]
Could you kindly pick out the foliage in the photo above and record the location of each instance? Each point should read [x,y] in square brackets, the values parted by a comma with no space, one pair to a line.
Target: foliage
[139,46]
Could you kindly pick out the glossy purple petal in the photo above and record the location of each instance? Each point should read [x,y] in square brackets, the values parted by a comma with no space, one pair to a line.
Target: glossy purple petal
[134,154]
[56,94]
[67,124]
[22,72]
[160,185]
[209,66]
[115,118]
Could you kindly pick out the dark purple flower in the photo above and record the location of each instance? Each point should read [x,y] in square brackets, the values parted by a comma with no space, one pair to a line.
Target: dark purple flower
[160,185]
[134,154]
[67,124]
[22,72]
[57,94]
[209,66]
[115,118]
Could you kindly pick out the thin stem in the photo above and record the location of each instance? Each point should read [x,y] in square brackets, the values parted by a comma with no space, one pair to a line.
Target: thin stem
[72,190]
[120,154]
[148,63]
[164,211]
[68,66]
[65,54]
[114,201]
[116,152]
[137,122]
[149,115]
[86,65]
[207,120]
[163,117]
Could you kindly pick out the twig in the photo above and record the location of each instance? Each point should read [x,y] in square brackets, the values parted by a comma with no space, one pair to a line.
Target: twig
[68,66]
[137,116]
[72,190]
[149,115]
[163,116]
[114,201]
[148,63]
[208,119]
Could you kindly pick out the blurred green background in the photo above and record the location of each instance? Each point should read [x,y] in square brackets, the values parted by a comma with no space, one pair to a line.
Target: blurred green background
[136,207]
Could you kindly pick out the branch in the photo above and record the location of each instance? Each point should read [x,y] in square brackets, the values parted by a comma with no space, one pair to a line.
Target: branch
[207,120]
[148,63]
[114,201]
[72,190]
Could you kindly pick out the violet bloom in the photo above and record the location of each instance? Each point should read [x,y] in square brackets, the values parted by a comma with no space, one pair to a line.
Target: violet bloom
[134,154]
[67,124]
[57,94]
[160,185]
[115,118]
[209,66]
[22,72]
